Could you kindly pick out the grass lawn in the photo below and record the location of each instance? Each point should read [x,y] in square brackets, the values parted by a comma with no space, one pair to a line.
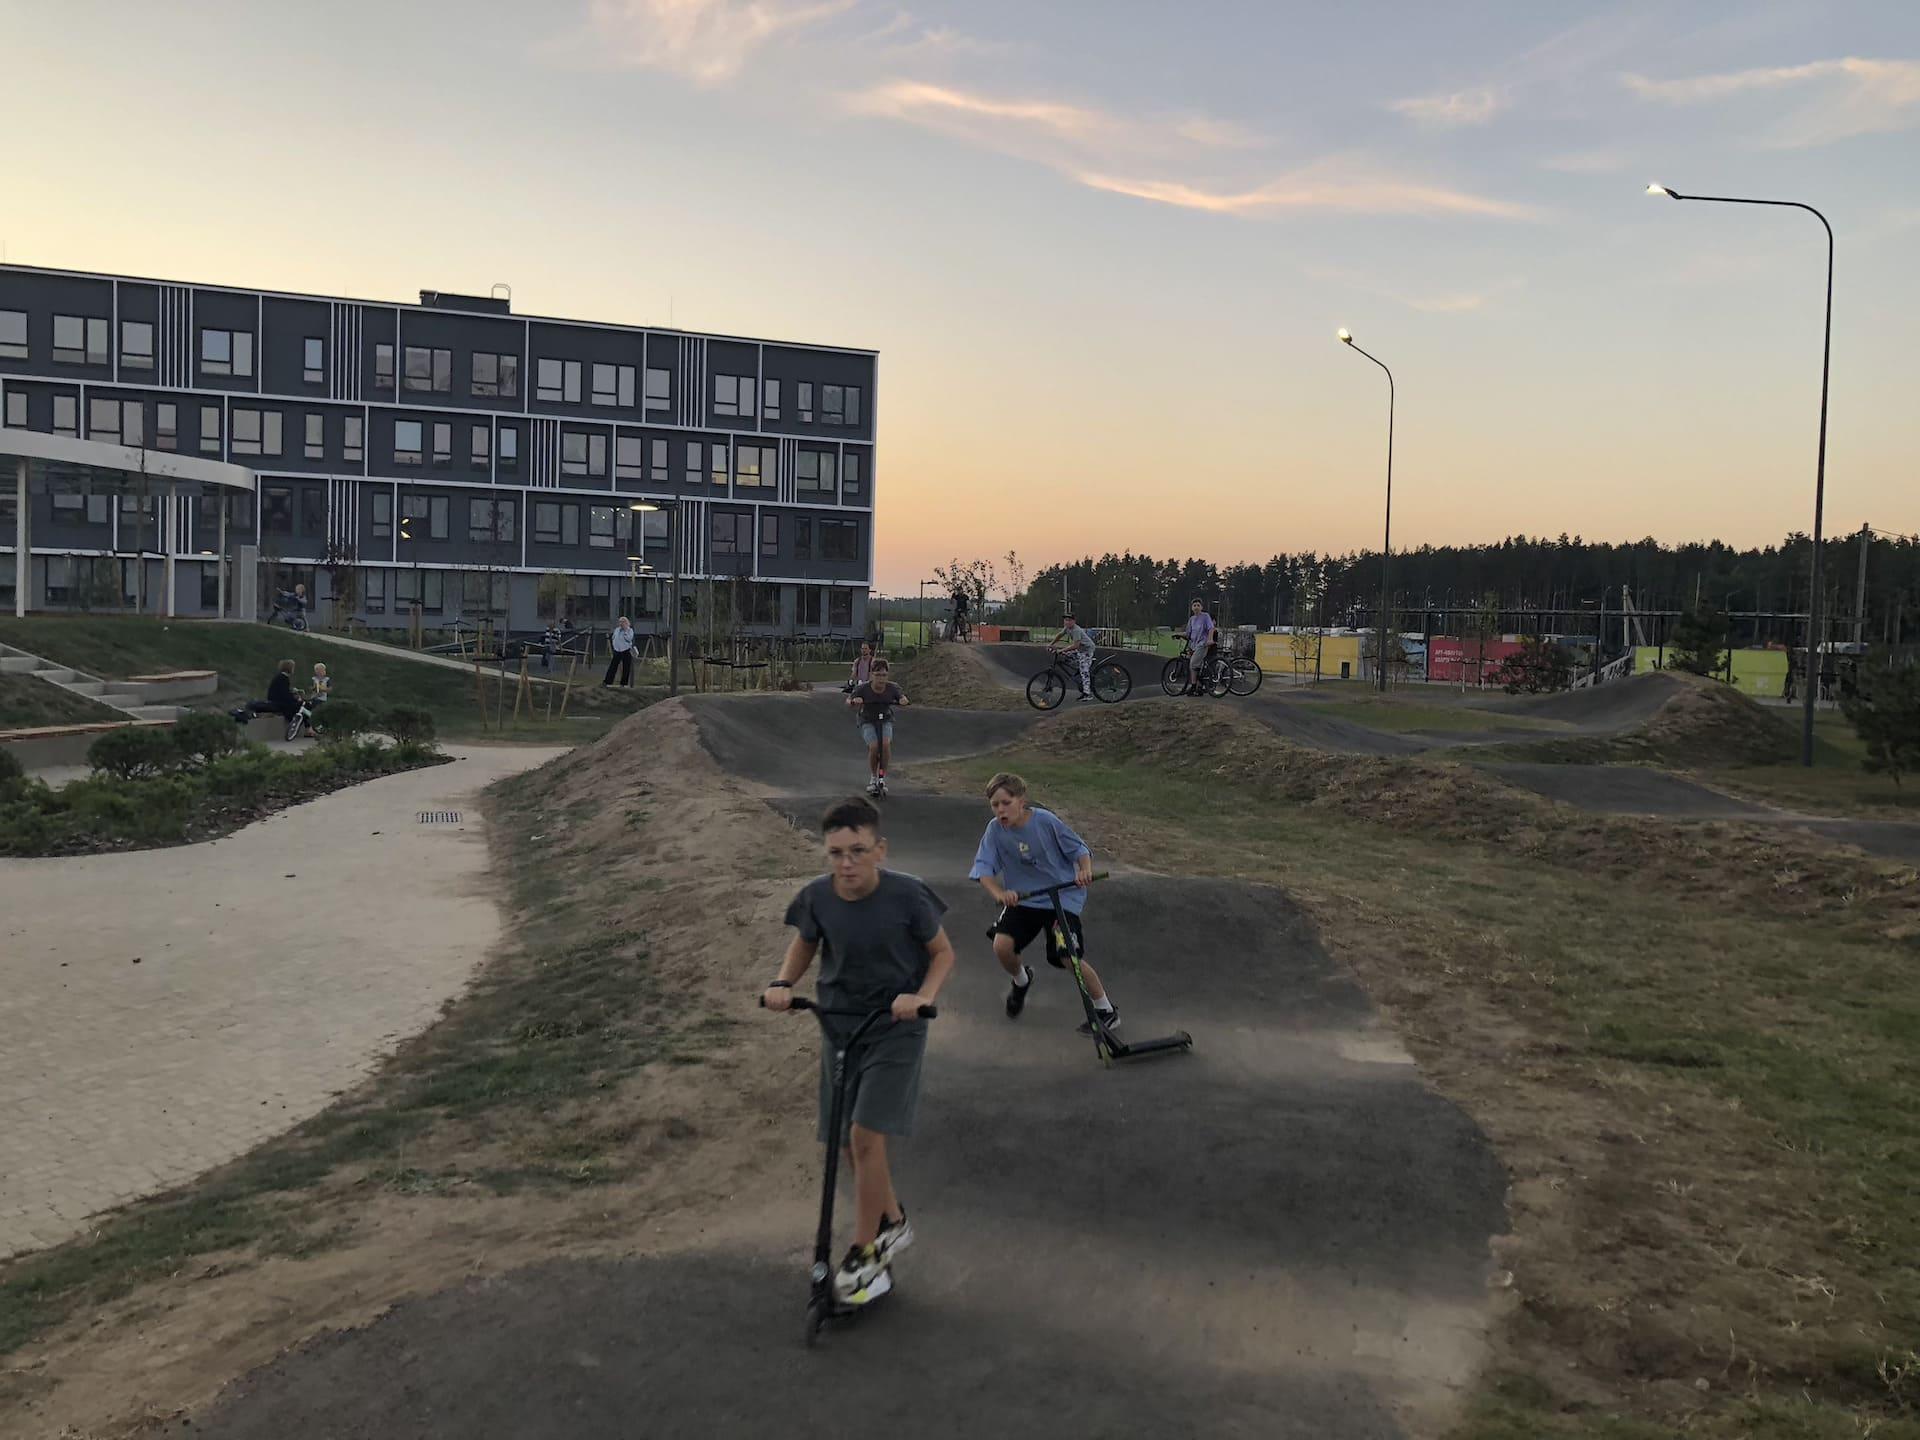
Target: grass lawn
[245,655]
[1397,715]
[1705,1091]
[1835,785]
[26,703]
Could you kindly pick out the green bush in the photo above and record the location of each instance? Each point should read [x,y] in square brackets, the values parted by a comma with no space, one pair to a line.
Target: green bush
[244,778]
[410,724]
[204,737]
[342,722]
[26,828]
[10,768]
[137,752]
[151,811]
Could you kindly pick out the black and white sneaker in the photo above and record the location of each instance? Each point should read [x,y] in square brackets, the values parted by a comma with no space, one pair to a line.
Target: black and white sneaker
[1109,1019]
[862,1276]
[894,1236]
[1086,694]
[1017,997]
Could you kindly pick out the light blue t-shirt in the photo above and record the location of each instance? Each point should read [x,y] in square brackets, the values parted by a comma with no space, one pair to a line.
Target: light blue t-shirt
[1031,857]
[1199,629]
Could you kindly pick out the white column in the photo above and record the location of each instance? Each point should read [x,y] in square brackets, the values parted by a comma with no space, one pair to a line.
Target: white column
[222,561]
[22,532]
[169,536]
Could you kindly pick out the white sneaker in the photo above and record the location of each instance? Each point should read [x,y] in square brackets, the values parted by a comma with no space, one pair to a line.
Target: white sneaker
[893,1237]
[862,1276]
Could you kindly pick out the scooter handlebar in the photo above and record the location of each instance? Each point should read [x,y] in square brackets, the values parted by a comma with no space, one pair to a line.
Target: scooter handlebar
[801,1002]
[1056,889]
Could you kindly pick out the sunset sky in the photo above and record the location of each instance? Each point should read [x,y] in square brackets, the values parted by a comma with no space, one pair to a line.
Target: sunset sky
[1102,247]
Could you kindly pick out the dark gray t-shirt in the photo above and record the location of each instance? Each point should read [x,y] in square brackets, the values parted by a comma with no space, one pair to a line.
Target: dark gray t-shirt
[872,949]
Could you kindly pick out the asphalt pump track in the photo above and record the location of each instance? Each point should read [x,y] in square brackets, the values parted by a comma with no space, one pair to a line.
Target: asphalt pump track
[1285,1233]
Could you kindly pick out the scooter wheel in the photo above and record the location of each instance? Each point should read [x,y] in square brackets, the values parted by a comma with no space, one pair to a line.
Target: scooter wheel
[816,1320]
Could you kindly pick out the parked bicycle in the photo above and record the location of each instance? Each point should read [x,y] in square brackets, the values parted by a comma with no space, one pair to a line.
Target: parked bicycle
[1111,682]
[1225,674]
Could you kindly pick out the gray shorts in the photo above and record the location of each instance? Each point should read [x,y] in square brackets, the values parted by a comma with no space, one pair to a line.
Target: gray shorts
[884,1089]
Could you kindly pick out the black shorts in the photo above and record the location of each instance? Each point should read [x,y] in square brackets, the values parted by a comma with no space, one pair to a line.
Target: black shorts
[1021,923]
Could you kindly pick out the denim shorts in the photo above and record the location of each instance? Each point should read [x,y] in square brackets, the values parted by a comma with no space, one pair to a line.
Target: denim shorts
[874,734]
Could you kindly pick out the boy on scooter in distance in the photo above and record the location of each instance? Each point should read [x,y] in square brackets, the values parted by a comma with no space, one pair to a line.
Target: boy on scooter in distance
[883,947]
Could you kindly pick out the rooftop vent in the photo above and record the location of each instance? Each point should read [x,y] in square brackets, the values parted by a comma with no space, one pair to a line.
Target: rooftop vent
[447,300]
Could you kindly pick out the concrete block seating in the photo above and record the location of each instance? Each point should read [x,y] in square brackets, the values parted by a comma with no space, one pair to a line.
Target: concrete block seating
[130,697]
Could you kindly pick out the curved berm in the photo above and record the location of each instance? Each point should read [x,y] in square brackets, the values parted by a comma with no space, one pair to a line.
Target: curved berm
[1283,1234]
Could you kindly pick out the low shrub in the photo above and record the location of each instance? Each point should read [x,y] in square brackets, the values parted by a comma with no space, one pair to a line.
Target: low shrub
[26,827]
[12,773]
[410,723]
[244,778]
[204,737]
[137,752]
[342,721]
[153,811]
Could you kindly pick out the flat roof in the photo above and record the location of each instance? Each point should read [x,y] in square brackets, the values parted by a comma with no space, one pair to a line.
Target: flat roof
[100,465]
[437,309]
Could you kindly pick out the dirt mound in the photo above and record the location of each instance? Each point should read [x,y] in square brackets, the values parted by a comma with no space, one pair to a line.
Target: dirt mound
[954,677]
[1776,870]
[1702,723]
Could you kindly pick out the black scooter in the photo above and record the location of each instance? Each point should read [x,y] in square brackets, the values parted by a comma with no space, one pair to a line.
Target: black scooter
[1108,1046]
[822,1304]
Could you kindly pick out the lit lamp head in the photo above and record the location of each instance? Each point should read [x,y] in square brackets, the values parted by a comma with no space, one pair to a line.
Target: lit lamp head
[1344,335]
[1663,190]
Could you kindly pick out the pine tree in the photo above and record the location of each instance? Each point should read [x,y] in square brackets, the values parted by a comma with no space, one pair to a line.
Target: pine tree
[1884,707]
[1699,641]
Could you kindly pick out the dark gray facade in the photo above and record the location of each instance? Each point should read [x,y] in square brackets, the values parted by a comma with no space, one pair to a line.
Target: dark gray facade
[448,450]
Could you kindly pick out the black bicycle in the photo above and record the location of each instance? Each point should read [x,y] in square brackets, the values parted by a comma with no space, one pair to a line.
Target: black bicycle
[1110,680]
[1176,676]
[1108,1046]
[822,1304]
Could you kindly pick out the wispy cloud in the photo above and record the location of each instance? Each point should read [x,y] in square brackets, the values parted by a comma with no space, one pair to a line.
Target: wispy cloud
[708,41]
[1848,97]
[1170,161]
[1453,110]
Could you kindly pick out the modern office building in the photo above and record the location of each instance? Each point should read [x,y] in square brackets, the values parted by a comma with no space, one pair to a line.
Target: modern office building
[451,454]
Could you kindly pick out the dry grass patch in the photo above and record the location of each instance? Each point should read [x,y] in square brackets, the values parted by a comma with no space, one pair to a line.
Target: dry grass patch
[954,677]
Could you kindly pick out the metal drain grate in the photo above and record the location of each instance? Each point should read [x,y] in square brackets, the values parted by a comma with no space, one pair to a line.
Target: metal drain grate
[439,817]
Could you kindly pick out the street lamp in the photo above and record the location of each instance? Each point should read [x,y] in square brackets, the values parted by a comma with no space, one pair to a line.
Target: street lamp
[1345,337]
[1814,637]
[671,505]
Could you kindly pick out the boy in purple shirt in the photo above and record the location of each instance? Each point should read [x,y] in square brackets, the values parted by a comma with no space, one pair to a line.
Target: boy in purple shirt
[1200,634]
[1025,849]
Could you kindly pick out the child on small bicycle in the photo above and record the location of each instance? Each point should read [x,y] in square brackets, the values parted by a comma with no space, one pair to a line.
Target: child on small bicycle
[1078,652]
[875,701]
[1024,849]
[884,949]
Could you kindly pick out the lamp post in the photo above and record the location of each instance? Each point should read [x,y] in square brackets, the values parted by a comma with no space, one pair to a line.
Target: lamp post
[1814,637]
[670,504]
[1386,544]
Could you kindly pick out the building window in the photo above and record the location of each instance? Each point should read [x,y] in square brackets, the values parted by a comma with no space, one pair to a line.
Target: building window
[653,527]
[811,609]
[813,474]
[839,539]
[806,401]
[696,474]
[226,352]
[840,609]
[373,591]
[769,536]
[755,465]
[166,425]
[559,382]
[490,521]
[425,588]
[383,366]
[136,345]
[802,537]
[313,511]
[556,524]
[660,468]
[509,447]
[613,385]
[573,453]
[717,462]
[382,515]
[770,399]
[425,515]
[496,375]
[13,336]
[17,409]
[313,360]
[482,447]
[276,511]
[256,432]
[483,592]
[835,407]
[210,429]
[732,534]
[659,388]
[66,415]
[115,420]
[629,457]
[850,477]
[316,445]
[430,371]
[608,526]
[353,438]
[442,444]
[733,395]
[406,442]
[79,340]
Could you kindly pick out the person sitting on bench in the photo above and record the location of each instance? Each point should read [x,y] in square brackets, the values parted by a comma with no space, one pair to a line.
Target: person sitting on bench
[282,700]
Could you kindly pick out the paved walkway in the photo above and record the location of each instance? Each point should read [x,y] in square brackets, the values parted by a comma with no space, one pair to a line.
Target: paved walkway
[162,1012]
